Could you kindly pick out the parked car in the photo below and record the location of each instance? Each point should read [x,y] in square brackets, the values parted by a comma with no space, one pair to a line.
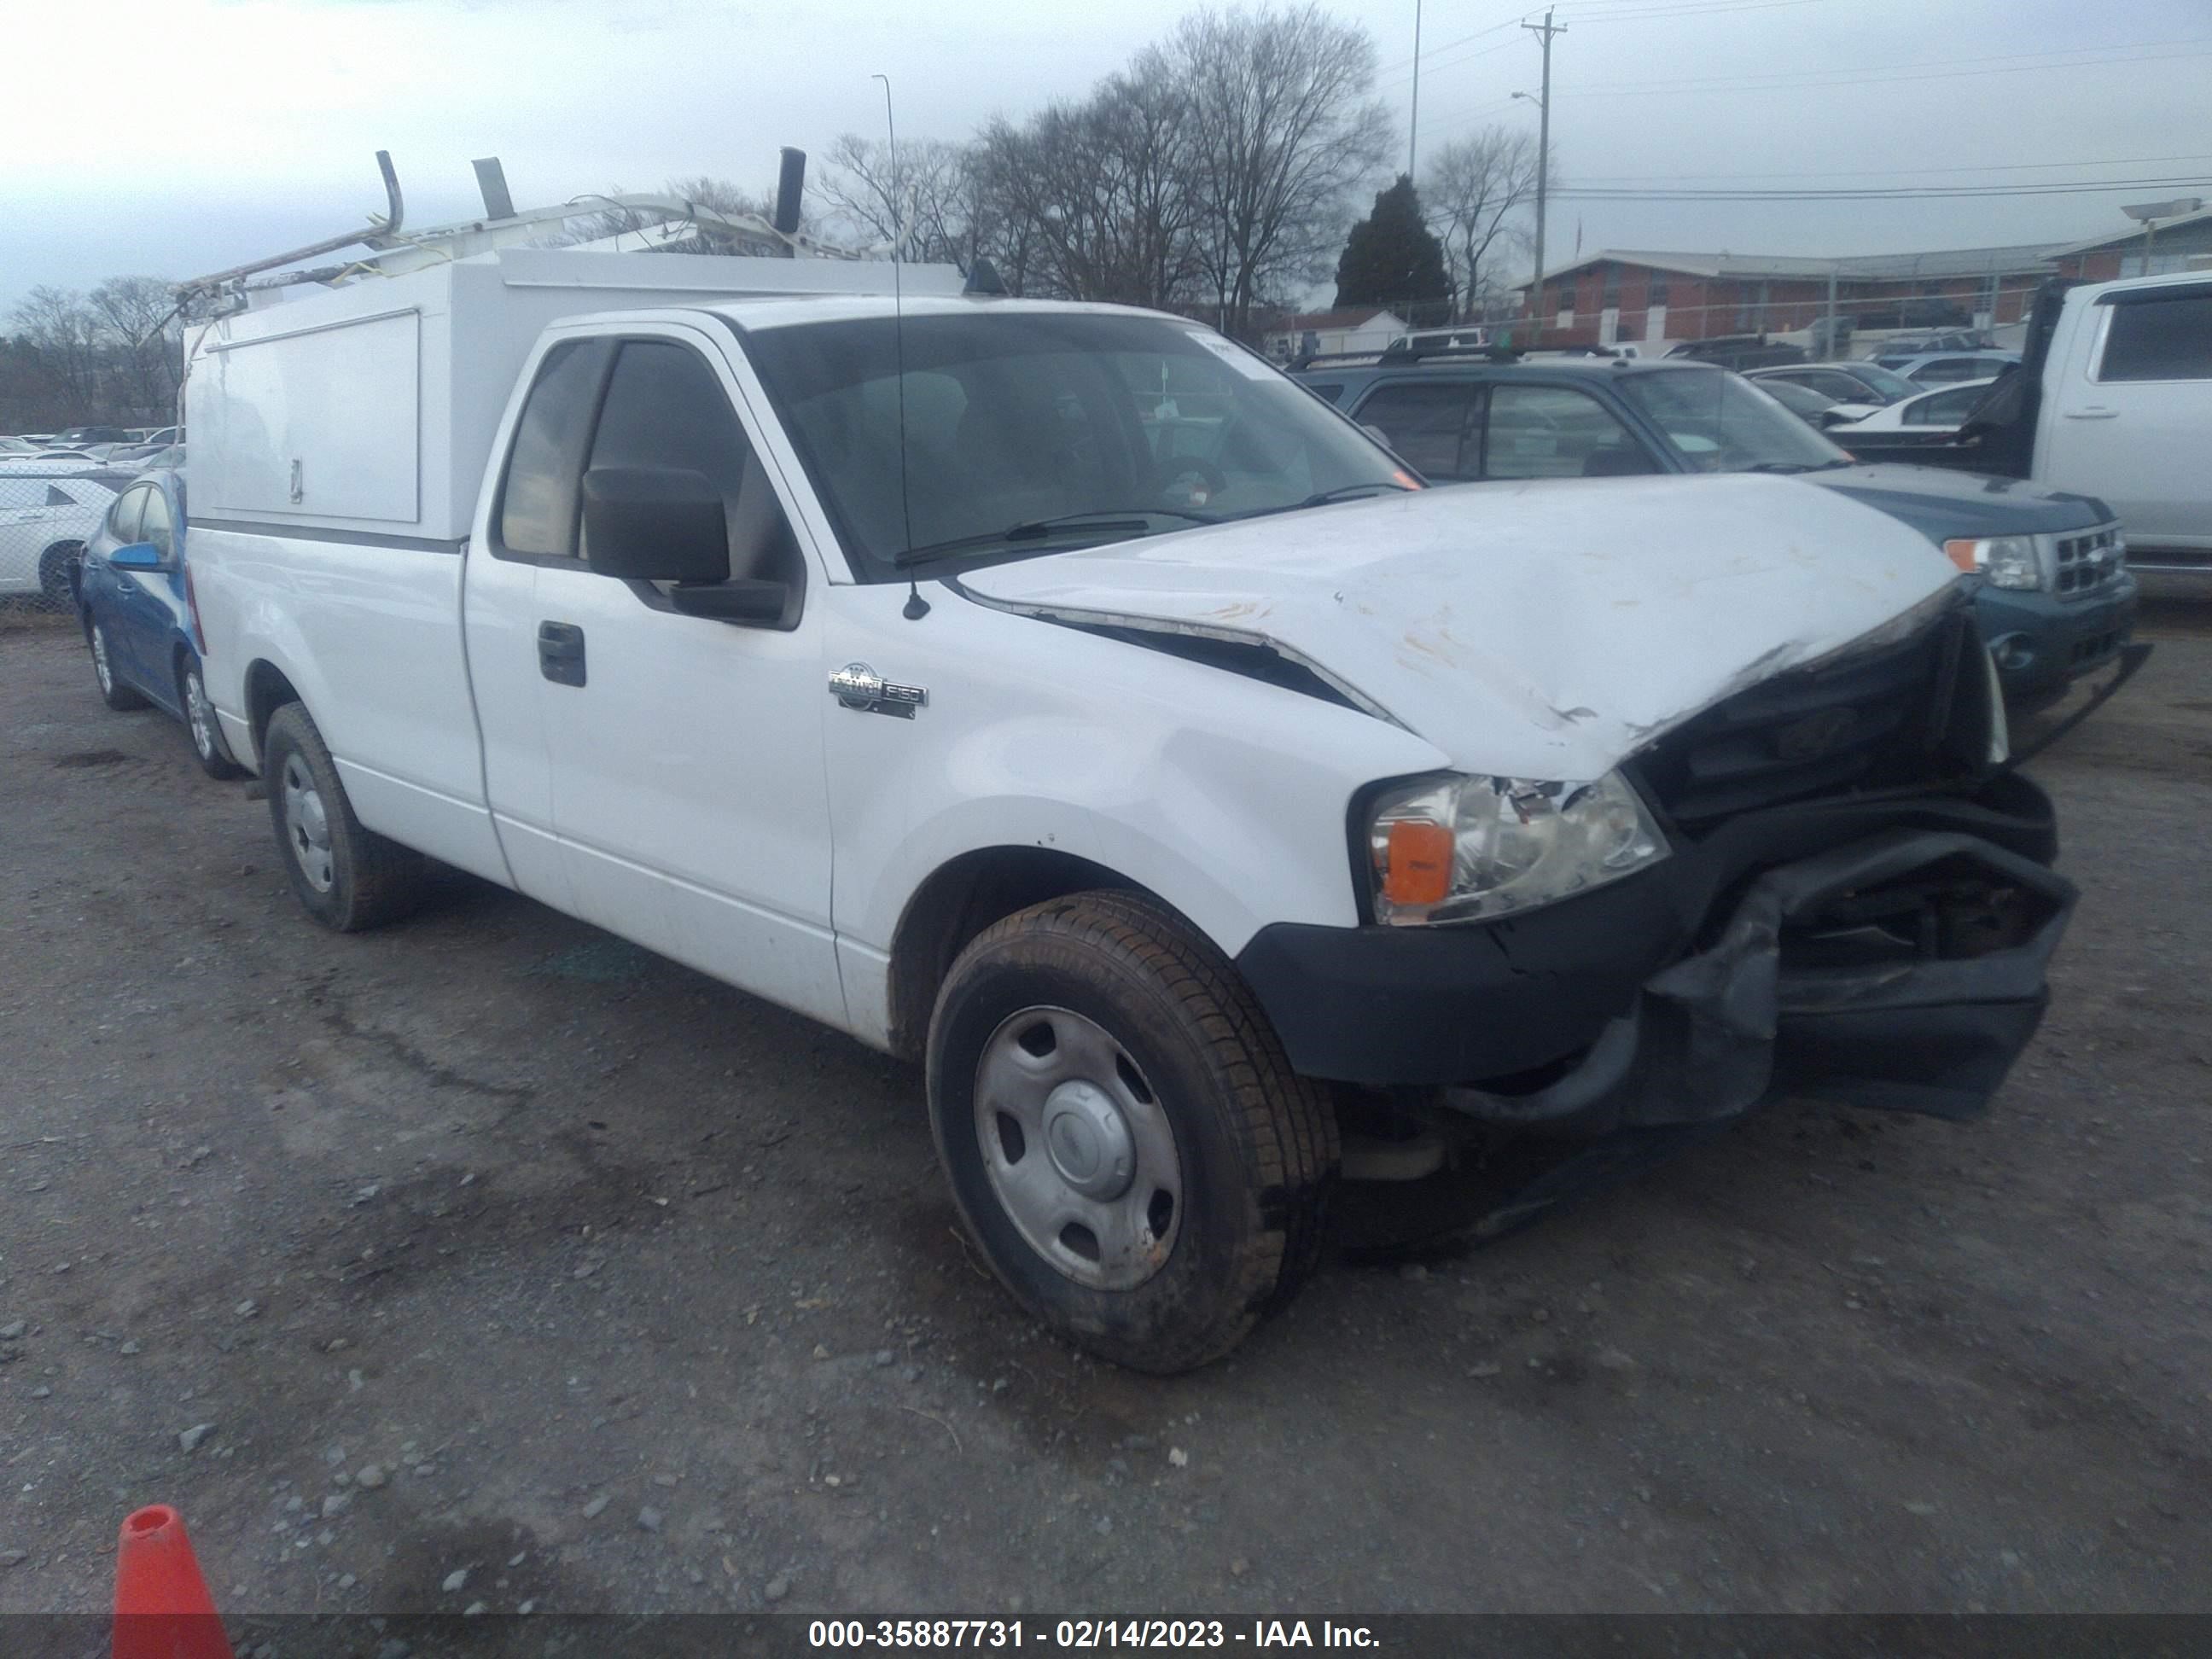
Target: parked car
[1176,807]
[1846,382]
[78,436]
[1921,313]
[1815,409]
[46,515]
[1483,420]
[1738,352]
[1936,413]
[1949,368]
[135,601]
[1916,345]
[2114,396]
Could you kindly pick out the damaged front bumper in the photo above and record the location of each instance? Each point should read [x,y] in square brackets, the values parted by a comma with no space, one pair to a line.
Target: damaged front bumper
[1903,973]
[1889,954]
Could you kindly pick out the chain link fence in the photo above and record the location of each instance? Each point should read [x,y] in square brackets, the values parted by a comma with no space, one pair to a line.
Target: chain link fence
[49,509]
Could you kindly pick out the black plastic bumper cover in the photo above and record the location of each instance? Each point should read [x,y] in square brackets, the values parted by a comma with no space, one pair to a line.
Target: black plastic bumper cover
[1653,1028]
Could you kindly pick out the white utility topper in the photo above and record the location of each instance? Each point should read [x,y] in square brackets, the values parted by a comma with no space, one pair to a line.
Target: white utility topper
[1057,696]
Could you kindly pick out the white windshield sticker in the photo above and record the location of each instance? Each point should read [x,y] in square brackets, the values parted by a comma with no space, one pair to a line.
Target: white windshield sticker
[1234,356]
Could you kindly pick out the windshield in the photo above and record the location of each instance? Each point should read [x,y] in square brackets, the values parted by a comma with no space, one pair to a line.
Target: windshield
[1887,381]
[1064,428]
[1720,423]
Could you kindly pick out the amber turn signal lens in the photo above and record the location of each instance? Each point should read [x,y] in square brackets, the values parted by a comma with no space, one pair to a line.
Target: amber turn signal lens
[1419,862]
[1962,554]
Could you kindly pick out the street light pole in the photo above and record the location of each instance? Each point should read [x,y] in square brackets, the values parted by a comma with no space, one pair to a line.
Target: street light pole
[1543,31]
[1413,125]
[2148,213]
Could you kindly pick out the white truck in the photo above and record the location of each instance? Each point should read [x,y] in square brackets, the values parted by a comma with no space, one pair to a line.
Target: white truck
[1058,697]
[2113,400]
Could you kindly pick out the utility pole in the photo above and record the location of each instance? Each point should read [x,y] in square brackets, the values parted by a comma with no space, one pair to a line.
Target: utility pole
[1413,125]
[1828,346]
[1544,31]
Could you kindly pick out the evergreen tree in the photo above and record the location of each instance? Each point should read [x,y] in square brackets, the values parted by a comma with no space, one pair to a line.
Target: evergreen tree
[1392,260]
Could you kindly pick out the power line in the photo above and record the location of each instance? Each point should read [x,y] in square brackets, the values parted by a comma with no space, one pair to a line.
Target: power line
[1854,173]
[2144,52]
[1908,193]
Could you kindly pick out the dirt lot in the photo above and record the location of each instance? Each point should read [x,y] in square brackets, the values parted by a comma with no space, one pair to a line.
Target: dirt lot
[640,1295]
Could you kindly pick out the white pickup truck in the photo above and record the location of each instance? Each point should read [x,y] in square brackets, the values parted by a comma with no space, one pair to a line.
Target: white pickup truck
[2113,400]
[1058,697]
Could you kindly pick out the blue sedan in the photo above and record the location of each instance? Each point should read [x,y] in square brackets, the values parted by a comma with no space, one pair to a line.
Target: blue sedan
[135,597]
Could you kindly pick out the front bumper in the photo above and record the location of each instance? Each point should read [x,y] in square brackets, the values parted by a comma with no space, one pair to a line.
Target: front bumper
[2042,643]
[1765,958]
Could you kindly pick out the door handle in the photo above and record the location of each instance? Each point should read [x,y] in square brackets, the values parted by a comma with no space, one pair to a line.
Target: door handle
[561,652]
[2093,412]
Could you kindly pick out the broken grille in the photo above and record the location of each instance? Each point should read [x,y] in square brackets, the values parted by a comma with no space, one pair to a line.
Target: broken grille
[1893,716]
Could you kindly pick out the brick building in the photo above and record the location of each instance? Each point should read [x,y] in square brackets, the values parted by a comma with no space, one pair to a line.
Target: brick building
[2183,244]
[1615,296]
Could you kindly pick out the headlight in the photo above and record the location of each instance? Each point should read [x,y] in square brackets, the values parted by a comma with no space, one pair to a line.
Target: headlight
[1454,849]
[2007,561]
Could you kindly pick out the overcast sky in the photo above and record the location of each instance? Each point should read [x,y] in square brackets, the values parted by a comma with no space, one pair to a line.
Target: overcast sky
[172,138]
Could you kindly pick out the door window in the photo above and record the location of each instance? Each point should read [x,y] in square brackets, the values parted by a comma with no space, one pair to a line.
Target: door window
[1428,423]
[2160,339]
[1556,432]
[123,517]
[1942,371]
[537,515]
[155,527]
[1944,408]
[666,408]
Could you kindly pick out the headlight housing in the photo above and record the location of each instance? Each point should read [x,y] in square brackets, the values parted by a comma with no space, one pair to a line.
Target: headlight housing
[1455,848]
[2006,561]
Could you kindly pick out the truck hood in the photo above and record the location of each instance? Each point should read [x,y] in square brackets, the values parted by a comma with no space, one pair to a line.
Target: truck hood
[1942,503]
[1542,630]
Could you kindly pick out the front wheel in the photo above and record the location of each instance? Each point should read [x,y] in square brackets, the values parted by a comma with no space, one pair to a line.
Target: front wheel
[1122,1133]
[208,746]
[348,876]
[58,574]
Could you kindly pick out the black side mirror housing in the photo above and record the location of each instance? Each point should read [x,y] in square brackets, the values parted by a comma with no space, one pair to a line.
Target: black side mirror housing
[655,523]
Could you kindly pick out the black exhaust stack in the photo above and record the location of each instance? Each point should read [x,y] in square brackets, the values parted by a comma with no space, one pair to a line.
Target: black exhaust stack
[790,188]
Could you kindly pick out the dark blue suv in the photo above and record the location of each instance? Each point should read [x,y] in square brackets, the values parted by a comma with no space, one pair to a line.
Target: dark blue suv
[2055,598]
[135,600]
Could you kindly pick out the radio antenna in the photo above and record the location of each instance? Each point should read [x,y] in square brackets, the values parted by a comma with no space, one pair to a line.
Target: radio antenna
[916,607]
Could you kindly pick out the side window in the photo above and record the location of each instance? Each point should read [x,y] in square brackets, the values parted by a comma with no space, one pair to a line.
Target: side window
[1943,409]
[1944,370]
[1427,423]
[2161,339]
[1841,387]
[536,512]
[155,527]
[1328,392]
[123,518]
[666,408]
[1556,432]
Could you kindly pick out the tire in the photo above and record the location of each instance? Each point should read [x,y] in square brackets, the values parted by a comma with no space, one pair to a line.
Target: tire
[348,877]
[57,571]
[117,695]
[1101,1009]
[208,746]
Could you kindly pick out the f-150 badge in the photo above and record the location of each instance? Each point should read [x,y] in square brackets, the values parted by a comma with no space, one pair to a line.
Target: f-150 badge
[858,686]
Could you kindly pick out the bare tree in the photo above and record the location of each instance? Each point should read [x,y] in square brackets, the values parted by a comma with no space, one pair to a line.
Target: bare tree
[64,331]
[1478,190]
[1286,133]
[139,317]
[934,205]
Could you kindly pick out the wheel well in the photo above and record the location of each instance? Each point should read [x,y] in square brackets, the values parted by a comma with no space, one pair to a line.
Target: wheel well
[267,690]
[959,901]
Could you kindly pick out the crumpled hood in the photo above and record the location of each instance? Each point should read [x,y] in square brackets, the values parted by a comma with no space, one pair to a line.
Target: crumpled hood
[1544,630]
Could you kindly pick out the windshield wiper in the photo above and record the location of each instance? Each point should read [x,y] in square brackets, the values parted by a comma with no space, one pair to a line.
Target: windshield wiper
[1110,520]
[1323,497]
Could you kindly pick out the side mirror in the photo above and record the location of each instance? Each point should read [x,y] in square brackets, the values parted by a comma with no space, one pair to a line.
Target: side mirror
[655,523]
[739,600]
[139,556]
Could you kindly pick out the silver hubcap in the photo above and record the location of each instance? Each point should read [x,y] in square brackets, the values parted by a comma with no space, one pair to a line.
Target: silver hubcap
[100,660]
[198,712]
[306,827]
[1077,1149]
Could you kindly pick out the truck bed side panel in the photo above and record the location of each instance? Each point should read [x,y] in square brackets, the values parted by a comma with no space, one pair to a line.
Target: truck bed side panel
[369,635]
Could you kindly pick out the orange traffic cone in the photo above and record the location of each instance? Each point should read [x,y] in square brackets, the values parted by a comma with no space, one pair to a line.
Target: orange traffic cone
[162,1607]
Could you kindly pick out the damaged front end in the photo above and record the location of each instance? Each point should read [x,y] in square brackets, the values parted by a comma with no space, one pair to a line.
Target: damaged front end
[1856,904]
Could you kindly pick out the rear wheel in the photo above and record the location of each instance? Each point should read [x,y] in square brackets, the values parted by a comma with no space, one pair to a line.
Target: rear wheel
[116,694]
[208,746]
[348,876]
[1122,1133]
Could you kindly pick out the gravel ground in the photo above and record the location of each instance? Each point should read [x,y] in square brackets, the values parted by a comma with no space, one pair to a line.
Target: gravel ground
[489,1260]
